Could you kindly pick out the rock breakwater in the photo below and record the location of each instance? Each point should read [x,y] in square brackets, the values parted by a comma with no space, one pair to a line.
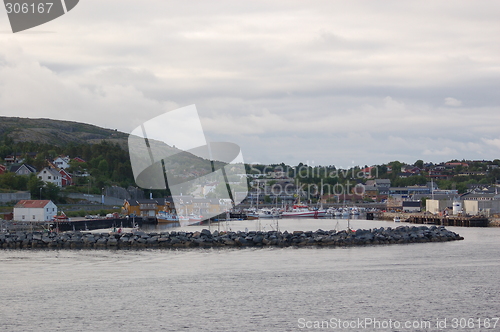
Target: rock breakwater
[207,239]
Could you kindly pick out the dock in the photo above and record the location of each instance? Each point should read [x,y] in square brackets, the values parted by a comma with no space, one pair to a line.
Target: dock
[462,221]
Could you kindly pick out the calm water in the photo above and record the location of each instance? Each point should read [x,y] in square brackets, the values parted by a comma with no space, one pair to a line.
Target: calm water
[267,289]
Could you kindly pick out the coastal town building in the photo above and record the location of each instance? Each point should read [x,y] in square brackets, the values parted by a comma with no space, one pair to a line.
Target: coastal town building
[61,162]
[66,178]
[411,206]
[50,175]
[146,208]
[437,206]
[486,207]
[22,169]
[34,210]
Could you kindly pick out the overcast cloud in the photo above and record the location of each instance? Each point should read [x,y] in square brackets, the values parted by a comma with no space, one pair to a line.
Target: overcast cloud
[323,82]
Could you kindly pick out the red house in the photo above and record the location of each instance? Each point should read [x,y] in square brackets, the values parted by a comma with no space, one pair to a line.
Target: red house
[3,169]
[66,179]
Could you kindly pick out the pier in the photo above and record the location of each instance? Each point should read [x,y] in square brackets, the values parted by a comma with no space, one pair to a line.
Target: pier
[462,221]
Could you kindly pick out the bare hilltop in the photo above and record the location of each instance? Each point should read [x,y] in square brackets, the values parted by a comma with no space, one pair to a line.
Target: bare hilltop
[57,132]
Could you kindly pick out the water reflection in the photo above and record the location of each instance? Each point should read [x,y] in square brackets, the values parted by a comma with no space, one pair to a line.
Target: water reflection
[270,224]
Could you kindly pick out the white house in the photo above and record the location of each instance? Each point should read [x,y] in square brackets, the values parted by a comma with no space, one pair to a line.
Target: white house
[62,162]
[50,175]
[34,210]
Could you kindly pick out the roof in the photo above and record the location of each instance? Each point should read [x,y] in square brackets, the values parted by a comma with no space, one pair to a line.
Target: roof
[137,202]
[478,195]
[411,203]
[16,167]
[51,171]
[29,203]
[370,188]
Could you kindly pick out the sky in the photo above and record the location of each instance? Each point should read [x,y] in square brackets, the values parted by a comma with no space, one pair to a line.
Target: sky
[320,82]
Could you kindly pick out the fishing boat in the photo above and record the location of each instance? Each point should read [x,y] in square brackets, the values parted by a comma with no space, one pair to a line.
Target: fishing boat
[397,219]
[251,213]
[60,217]
[301,211]
[166,217]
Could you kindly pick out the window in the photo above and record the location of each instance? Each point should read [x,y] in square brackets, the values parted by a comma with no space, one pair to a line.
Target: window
[23,217]
[49,177]
[33,217]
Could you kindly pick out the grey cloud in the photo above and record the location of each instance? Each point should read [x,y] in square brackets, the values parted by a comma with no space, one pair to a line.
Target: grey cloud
[287,81]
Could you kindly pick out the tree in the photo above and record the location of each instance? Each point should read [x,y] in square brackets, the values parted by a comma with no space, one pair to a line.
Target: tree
[52,191]
[8,180]
[419,163]
[423,202]
[103,166]
[34,185]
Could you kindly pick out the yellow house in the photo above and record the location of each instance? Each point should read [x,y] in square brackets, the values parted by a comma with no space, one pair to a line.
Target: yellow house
[146,208]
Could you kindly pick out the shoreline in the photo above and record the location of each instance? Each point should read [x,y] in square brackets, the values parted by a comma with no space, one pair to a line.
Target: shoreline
[216,239]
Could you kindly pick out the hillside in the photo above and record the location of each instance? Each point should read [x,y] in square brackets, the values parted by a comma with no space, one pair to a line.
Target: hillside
[57,132]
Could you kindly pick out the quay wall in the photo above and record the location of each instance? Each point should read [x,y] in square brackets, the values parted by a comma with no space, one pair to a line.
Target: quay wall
[451,220]
[207,239]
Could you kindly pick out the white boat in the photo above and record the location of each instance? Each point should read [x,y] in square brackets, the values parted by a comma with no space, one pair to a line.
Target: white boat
[301,211]
[268,213]
[333,212]
[354,211]
[397,219]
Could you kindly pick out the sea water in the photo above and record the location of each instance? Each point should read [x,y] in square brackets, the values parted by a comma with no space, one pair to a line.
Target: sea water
[410,287]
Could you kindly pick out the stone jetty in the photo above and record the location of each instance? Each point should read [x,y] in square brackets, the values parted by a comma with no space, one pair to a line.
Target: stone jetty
[207,239]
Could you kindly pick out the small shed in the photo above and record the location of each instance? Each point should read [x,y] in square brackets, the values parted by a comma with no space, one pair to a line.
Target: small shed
[411,206]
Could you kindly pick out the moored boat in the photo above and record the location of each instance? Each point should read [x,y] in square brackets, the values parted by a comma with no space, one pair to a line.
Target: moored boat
[166,217]
[301,211]
[268,213]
